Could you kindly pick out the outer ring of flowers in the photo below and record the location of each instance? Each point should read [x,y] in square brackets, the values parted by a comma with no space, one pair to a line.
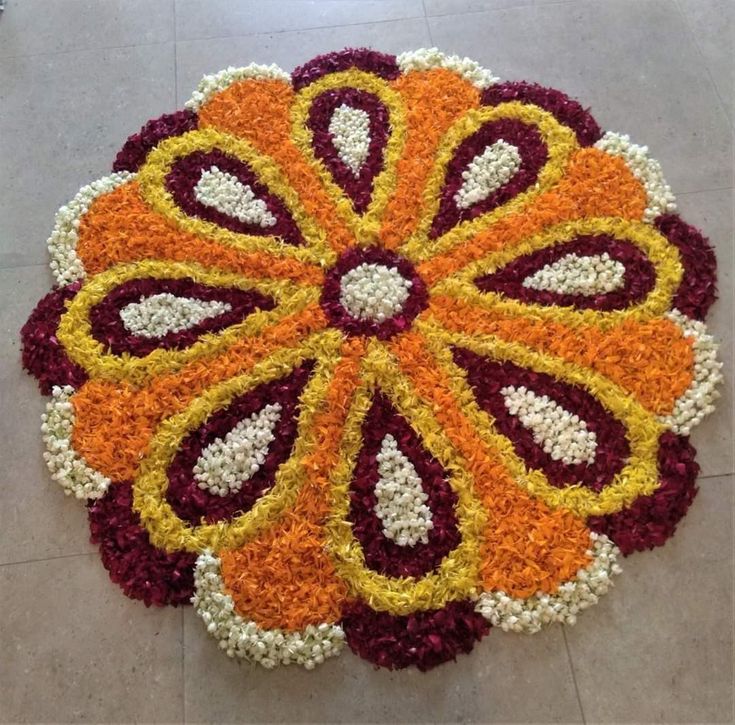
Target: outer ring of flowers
[457,576]
[165,528]
[152,180]
[416,61]
[640,475]
[560,142]
[75,331]
[365,227]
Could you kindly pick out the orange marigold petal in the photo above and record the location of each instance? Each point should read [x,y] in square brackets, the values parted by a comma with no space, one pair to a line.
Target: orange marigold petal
[285,577]
[527,547]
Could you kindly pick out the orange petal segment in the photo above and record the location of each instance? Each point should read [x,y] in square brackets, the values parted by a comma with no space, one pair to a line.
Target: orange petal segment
[434,99]
[652,359]
[526,547]
[285,578]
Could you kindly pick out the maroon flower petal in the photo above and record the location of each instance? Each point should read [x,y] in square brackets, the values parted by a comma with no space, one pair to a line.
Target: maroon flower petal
[359,188]
[565,109]
[43,356]
[423,639]
[533,153]
[194,504]
[370,61]
[142,571]
[698,288]
[132,155]
[640,275]
[487,378]
[381,553]
[185,174]
[651,520]
[108,328]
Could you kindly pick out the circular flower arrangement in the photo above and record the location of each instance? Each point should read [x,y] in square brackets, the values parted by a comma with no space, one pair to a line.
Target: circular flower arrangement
[385,352]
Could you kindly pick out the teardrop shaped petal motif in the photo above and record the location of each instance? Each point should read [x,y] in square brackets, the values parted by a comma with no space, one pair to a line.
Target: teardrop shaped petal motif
[147,314]
[224,190]
[207,480]
[598,272]
[556,427]
[497,162]
[386,539]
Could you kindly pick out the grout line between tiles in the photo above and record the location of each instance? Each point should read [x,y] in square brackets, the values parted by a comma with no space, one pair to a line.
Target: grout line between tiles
[574,674]
[524,6]
[426,22]
[48,558]
[84,50]
[704,191]
[4,267]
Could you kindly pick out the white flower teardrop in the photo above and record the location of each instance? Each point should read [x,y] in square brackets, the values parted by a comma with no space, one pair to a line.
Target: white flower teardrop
[592,274]
[162,313]
[350,131]
[487,172]
[560,433]
[226,463]
[401,505]
[227,194]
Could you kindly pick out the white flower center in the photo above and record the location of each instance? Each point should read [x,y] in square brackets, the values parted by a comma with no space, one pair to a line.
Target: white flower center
[586,275]
[560,433]
[350,131]
[401,505]
[226,463]
[162,313]
[374,291]
[487,172]
[227,194]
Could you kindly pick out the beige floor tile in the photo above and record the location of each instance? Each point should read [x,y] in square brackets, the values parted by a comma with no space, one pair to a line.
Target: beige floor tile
[453,7]
[223,18]
[36,519]
[199,57]
[713,25]
[659,648]
[63,118]
[76,650]
[52,26]
[507,678]
[712,212]
[617,57]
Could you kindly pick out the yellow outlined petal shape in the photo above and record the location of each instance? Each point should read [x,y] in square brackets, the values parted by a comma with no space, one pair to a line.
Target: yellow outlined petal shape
[560,143]
[659,251]
[75,329]
[365,227]
[152,181]
[639,477]
[169,532]
[457,577]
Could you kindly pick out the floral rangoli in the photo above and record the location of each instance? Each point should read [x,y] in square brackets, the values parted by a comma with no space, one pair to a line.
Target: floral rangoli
[385,353]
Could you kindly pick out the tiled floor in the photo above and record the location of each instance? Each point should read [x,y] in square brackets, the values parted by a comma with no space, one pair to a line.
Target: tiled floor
[78,76]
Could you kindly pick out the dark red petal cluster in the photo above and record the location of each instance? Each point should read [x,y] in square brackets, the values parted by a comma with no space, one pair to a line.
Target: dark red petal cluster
[365,59]
[565,109]
[651,520]
[533,155]
[698,288]
[423,639]
[381,553]
[341,318]
[142,571]
[358,187]
[487,378]
[640,275]
[185,174]
[132,155]
[43,356]
[108,328]
[194,504]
